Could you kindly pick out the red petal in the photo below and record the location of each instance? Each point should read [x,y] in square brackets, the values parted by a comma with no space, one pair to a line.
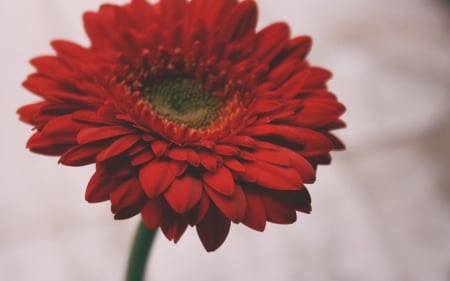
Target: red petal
[39,144]
[299,163]
[88,135]
[193,158]
[240,21]
[271,40]
[155,177]
[183,194]
[317,78]
[295,84]
[233,207]
[62,129]
[226,150]
[95,30]
[273,157]
[159,147]
[178,153]
[118,147]
[274,177]
[296,135]
[234,164]
[297,48]
[98,189]
[221,180]
[208,160]
[255,215]
[244,141]
[213,229]
[142,158]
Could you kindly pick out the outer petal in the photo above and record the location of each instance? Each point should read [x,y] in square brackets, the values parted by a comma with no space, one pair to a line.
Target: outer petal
[272,176]
[233,207]
[255,215]
[213,229]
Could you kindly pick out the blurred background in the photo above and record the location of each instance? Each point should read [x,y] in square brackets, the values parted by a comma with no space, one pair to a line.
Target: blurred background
[380,212]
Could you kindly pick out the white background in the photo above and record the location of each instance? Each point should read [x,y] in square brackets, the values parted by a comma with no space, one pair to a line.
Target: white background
[380,212]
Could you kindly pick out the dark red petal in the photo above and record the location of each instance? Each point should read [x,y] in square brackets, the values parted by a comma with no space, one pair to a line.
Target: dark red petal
[155,177]
[299,163]
[184,193]
[255,215]
[118,147]
[174,228]
[213,229]
[153,213]
[126,193]
[39,144]
[98,189]
[221,180]
[278,210]
[130,211]
[233,207]
[81,154]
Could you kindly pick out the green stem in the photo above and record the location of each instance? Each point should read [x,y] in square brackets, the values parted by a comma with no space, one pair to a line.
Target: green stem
[139,253]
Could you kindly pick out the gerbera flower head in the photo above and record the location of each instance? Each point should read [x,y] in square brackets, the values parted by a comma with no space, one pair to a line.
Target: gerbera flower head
[191,116]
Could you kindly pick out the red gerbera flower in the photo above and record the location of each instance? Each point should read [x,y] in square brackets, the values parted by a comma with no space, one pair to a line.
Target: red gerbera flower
[191,116]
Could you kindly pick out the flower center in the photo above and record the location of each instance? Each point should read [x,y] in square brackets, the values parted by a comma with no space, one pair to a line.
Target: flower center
[184,102]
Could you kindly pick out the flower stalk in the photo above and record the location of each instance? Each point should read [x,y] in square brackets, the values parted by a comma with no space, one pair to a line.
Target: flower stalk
[139,254]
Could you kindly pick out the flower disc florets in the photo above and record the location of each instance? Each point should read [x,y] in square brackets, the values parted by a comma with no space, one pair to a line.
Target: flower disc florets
[183,102]
[191,116]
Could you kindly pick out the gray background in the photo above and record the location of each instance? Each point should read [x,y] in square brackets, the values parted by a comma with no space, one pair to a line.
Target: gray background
[380,212]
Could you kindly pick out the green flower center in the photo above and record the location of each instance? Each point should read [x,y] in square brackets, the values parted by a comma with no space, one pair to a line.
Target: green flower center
[184,102]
